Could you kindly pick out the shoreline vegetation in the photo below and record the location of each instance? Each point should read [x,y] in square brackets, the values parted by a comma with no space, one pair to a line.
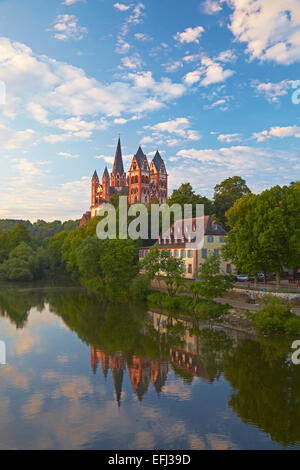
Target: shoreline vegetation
[41,252]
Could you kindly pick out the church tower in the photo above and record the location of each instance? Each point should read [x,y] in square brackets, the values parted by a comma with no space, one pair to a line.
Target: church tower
[139,179]
[158,179]
[118,176]
[95,191]
[105,186]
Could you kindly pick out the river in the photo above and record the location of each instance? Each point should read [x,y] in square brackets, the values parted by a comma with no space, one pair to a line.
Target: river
[84,374]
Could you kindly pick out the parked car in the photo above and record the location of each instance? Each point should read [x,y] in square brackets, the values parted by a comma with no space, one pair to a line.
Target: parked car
[242,278]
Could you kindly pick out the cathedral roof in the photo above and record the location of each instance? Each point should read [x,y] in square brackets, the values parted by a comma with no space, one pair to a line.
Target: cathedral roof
[118,163]
[140,157]
[105,173]
[157,160]
[95,176]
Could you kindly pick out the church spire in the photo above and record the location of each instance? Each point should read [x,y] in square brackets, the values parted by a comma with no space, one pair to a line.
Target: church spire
[118,163]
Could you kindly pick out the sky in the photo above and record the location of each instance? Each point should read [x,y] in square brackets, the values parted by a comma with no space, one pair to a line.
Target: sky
[213,84]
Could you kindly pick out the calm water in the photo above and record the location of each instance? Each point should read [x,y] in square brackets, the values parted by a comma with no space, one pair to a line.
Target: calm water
[83,375]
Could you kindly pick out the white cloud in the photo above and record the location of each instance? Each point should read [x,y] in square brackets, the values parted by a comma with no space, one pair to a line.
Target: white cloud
[136,17]
[66,27]
[59,95]
[67,155]
[132,62]
[271,28]
[222,104]
[236,157]
[11,139]
[142,37]
[190,35]
[173,65]
[71,2]
[279,132]
[122,6]
[228,138]
[211,7]
[122,47]
[178,128]
[63,201]
[273,91]
[210,71]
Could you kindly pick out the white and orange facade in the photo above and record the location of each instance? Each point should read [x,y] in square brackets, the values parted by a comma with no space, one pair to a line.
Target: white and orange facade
[178,242]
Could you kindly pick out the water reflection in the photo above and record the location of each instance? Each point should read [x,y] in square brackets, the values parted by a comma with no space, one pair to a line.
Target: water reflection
[90,375]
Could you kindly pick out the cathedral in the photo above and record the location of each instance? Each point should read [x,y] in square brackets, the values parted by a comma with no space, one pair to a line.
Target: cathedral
[144,182]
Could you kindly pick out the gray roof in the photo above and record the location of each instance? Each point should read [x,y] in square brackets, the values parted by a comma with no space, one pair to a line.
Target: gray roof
[95,176]
[105,173]
[140,156]
[157,160]
[118,163]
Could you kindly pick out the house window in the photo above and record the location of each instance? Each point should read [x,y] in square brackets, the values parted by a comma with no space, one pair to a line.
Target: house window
[210,239]
[204,253]
[184,268]
[182,253]
[228,269]
[216,253]
[190,270]
[190,254]
[221,239]
[175,253]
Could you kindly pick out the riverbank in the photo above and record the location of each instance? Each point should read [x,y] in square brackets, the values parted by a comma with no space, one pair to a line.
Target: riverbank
[242,299]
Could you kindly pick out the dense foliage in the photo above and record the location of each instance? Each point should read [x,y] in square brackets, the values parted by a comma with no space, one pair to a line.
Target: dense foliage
[276,317]
[265,231]
[39,229]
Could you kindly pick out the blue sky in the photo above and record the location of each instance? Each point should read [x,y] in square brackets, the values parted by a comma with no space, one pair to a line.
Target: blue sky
[209,83]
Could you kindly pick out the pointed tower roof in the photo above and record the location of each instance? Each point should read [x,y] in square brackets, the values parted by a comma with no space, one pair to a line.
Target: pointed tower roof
[118,163]
[105,173]
[157,160]
[118,381]
[140,156]
[95,176]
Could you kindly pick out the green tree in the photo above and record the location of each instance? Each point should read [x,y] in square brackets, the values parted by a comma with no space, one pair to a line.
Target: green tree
[226,193]
[88,255]
[119,266]
[211,283]
[11,239]
[265,231]
[186,195]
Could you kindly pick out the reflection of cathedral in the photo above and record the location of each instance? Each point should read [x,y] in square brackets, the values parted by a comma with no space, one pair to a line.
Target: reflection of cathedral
[186,360]
[142,371]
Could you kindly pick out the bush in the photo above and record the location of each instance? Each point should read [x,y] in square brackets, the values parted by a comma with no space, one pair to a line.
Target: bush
[276,317]
[292,326]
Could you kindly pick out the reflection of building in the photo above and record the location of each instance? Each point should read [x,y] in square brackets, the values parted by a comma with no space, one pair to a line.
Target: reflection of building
[142,371]
[185,358]
[139,371]
[159,372]
[118,367]
[190,363]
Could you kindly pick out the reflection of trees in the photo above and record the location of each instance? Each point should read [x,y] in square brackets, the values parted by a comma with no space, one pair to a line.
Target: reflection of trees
[266,388]
[17,305]
[213,346]
[112,327]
